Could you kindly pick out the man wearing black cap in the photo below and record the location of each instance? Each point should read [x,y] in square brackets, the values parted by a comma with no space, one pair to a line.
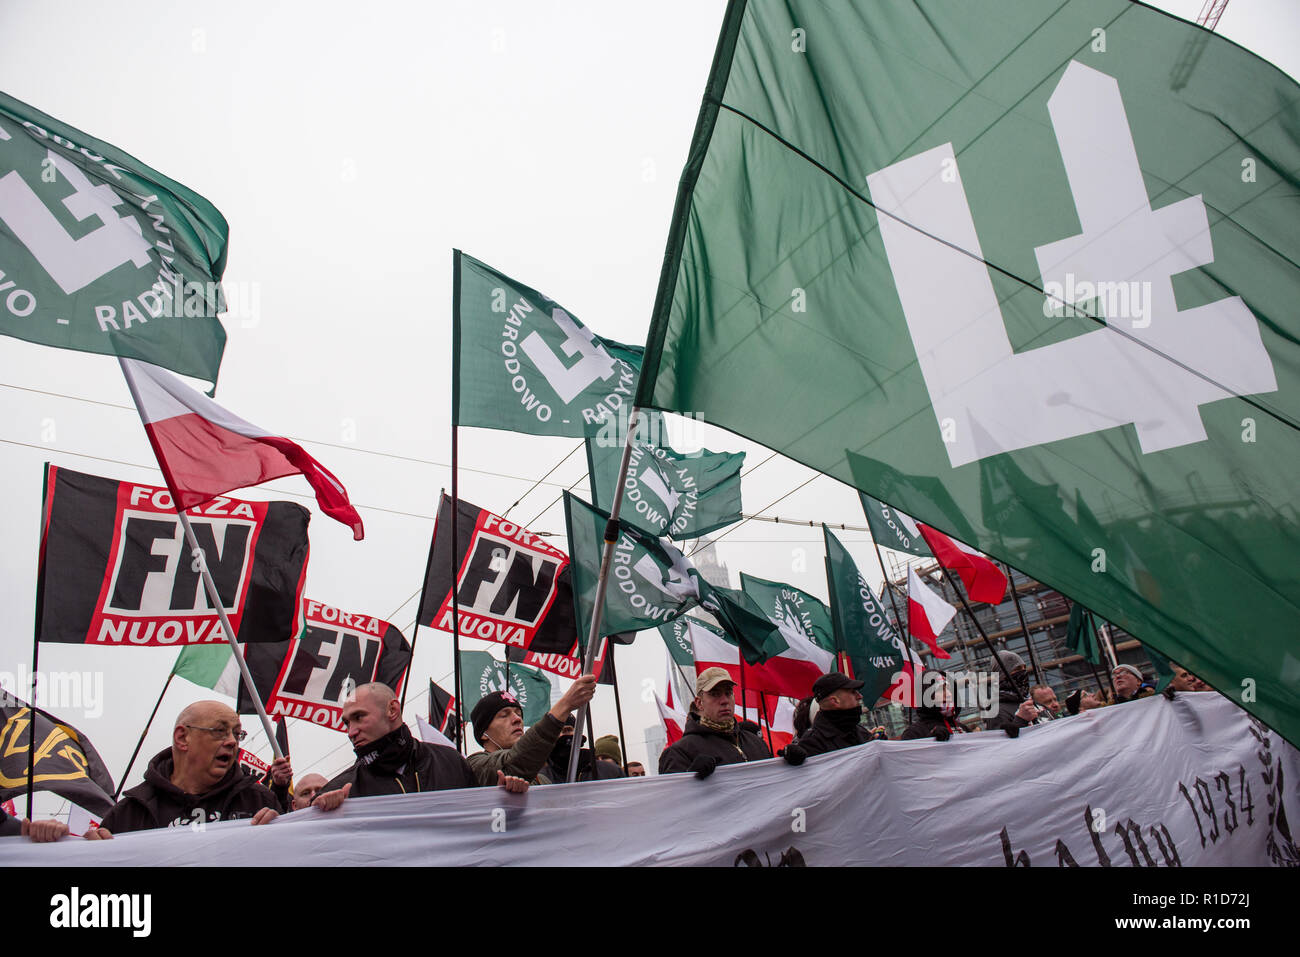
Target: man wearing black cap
[712,736]
[507,748]
[838,722]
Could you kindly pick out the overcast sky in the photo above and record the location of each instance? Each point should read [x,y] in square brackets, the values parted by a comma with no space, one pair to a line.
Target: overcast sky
[351,148]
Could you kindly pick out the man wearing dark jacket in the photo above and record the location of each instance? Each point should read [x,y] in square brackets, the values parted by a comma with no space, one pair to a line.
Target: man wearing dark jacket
[389,759]
[498,724]
[1016,707]
[838,723]
[197,780]
[711,736]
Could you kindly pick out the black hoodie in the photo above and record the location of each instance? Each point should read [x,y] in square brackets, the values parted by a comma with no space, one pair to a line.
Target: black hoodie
[159,803]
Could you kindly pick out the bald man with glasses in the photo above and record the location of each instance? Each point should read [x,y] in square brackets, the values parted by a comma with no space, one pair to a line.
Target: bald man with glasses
[198,779]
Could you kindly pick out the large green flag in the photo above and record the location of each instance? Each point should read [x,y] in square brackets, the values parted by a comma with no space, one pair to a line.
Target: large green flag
[100,253]
[666,492]
[792,609]
[651,583]
[525,364]
[1032,253]
[891,528]
[482,674]
[880,657]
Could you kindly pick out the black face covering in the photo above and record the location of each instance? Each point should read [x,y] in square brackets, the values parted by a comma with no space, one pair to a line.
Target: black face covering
[388,753]
[843,719]
[563,748]
[1021,682]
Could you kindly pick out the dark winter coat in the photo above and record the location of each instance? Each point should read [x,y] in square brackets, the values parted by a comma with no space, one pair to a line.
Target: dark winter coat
[928,723]
[420,767]
[159,803]
[698,740]
[823,735]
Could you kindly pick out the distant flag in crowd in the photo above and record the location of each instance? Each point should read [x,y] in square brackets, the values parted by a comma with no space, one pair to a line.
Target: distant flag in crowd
[311,675]
[674,720]
[877,653]
[891,528]
[799,615]
[513,585]
[1081,635]
[205,451]
[1046,322]
[524,364]
[774,715]
[65,763]
[431,735]
[927,613]
[115,568]
[665,493]
[983,579]
[103,254]
[482,674]
[676,636]
[565,666]
[444,712]
[791,672]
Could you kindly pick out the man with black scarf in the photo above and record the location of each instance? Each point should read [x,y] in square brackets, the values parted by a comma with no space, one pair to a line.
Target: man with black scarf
[838,722]
[389,759]
[1016,707]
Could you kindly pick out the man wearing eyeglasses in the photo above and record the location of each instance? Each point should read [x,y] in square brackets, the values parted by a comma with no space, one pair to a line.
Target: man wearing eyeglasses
[197,780]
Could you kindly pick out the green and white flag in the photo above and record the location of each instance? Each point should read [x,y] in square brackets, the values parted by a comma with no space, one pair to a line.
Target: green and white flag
[879,656]
[891,528]
[100,253]
[651,582]
[209,666]
[1036,254]
[666,492]
[792,610]
[481,674]
[525,364]
[677,639]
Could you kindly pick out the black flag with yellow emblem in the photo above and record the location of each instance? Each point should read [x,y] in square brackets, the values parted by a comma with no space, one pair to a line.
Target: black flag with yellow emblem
[66,762]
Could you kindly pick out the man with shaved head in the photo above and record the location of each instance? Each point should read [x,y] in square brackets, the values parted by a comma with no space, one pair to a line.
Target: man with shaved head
[309,785]
[389,758]
[197,780]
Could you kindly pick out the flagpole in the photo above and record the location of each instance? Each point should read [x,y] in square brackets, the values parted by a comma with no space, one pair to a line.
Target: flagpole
[980,628]
[1029,644]
[1105,645]
[904,626]
[606,558]
[455,486]
[1101,685]
[618,705]
[200,559]
[419,608]
[767,722]
[121,782]
[840,655]
[31,727]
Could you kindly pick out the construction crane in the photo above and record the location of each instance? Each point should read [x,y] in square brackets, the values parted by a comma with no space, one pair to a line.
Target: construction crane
[1191,52]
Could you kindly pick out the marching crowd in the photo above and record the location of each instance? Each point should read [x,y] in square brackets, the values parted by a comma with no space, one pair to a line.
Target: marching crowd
[199,779]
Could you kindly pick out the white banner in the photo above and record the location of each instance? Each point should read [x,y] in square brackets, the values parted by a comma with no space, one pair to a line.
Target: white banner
[1194,781]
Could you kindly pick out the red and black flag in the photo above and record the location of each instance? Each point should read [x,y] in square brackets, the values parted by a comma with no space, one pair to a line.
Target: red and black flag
[512,586]
[115,568]
[311,675]
[65,763]
[444,713]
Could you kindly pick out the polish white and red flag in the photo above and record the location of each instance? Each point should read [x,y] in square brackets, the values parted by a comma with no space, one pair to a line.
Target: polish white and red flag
[205,451]
[774,715]
[983,579]
[791,673]
[927,614]
[674,721]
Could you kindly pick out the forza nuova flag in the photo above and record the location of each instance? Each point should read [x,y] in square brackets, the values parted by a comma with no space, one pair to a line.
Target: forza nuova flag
[513,586]
[1057,232]
[115,568]
[482,674]
[95,244]
[879,656]
[312,674]
[666,492]
[525,364]
[891,528]
[65,762]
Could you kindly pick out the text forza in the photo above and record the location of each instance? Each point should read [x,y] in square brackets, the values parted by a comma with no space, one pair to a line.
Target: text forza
[75,909]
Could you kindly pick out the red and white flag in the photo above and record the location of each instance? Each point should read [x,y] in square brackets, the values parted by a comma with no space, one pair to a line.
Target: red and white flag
[674,721]
[790,673]
[927,614]
[774,715]
[983,579]
[205,451]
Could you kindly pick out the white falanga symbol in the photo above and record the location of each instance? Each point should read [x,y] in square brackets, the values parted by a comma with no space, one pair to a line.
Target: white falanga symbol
[1154,375]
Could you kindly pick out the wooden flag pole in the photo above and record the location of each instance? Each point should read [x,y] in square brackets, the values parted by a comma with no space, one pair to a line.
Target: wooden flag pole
[1029,644]
[121,782]
[606,558]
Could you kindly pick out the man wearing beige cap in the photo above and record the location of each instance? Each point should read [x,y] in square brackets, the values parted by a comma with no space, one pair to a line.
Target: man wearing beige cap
[712,736]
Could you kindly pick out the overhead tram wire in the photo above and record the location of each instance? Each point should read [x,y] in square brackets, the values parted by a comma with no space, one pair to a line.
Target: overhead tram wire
[530,488]
[757,514]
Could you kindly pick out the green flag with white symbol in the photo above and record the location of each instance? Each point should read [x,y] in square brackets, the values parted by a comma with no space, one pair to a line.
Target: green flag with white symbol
[651,583]
[100,253]
[482,674]
[792,609]
[891,528]
[880,657]
[525,364]
[677,639]
[666,492]
[1040,255]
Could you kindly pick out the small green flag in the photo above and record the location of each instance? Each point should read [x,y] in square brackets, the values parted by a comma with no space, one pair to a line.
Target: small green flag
[677,639]
[482,674]
[1163,667]
[209,666]
[1081,635]
[891,528]
[793,609]
[862,629]
[102,254]
[666,492]
[524,364]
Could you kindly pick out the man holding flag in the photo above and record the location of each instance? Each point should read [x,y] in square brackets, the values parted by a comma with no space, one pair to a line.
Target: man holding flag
[510,750]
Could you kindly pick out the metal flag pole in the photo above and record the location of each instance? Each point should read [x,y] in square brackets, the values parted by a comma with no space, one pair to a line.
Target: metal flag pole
[606,558]
[980,628]
[904,626]
[419,608]
[618,704]
[121,782]
[455,486]
[1029,644]
[200,565]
